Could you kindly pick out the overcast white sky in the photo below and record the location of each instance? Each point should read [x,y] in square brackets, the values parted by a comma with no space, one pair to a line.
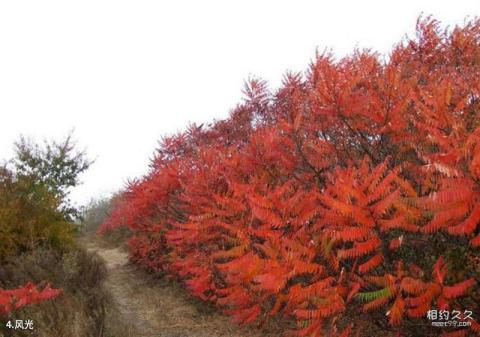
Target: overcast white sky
[124,73]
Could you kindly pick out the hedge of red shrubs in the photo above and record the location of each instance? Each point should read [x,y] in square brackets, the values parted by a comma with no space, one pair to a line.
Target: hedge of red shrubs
[352,189]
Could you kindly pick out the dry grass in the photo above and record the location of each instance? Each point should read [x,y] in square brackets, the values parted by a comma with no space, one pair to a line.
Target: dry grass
[80,311]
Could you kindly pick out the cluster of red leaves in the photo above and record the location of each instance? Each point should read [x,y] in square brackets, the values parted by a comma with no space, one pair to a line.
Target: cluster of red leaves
[12,299]
[312,199]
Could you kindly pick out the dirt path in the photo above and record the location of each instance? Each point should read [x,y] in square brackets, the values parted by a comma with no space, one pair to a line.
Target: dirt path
[159,308]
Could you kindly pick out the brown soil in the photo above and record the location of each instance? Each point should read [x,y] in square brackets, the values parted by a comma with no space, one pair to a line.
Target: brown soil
[148,307]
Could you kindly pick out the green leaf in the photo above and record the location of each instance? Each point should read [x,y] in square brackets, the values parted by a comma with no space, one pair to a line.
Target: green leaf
[373,295]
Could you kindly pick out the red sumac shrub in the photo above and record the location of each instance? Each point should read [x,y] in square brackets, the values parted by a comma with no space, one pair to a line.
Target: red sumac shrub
[354,188]
[12,299]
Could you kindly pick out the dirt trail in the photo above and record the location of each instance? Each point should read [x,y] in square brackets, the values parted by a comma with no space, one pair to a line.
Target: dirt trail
[160,308]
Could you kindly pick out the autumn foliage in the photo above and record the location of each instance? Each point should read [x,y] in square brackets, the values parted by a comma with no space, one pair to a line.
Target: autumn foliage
[353,188]
[35,212]
[13,299]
